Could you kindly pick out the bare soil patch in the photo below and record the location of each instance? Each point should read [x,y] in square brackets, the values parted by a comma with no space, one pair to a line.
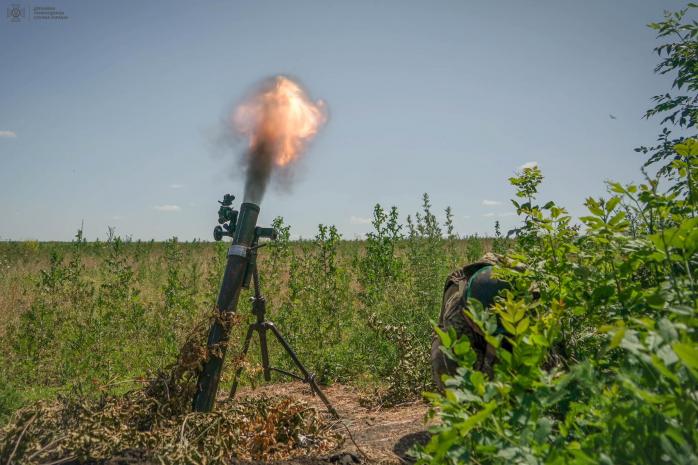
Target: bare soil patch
[374,435]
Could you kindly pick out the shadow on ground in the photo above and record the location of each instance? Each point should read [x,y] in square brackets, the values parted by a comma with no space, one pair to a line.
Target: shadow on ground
[405,443]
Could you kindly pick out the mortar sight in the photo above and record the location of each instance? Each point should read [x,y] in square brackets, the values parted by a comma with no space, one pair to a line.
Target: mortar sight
[227,200]
[227,218]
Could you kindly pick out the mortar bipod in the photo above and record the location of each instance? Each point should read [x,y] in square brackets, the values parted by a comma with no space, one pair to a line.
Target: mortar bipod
[262,325]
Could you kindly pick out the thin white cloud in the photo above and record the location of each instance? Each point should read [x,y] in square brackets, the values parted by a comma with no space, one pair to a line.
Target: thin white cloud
[491,203]
[359,220]
[528,165]
[502,215]
[489,215]
[117,217]
[467,217]
[8,134]
[167,208]
[176,186]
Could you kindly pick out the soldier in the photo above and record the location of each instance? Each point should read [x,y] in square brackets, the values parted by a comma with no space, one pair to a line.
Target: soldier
[475,281]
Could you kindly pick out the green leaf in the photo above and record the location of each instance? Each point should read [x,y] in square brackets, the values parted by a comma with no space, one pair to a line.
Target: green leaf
[617,218]
[462,347]
[617,187]
[602,293]
[443,337]
[594,207]
[667,330]
[612,203]
[478,380]
[472,422]
[644,394]
[689,147]
[687,353]
[539,339]
[544,428]
[522,326]
[655,300]
[617,338]
[508,327]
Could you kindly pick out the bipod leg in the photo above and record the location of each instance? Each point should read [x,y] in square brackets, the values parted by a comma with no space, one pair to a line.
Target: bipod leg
[259,308]
[265,351]
[307,376]
[238,372]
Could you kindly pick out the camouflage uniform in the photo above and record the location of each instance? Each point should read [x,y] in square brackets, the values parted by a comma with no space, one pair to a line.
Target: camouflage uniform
[472,281]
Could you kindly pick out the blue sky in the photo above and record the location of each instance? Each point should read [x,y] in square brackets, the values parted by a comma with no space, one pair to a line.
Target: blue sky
[109,116]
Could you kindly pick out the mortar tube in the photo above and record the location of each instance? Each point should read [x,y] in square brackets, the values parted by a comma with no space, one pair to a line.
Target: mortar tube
[235,269]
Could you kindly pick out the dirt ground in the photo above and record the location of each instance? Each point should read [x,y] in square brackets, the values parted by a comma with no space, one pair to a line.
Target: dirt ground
[375,435]
[372,435]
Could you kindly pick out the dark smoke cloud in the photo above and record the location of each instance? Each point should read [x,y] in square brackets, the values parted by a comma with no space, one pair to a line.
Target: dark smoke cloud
[259,166]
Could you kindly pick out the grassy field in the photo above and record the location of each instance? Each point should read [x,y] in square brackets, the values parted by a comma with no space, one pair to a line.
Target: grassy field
[595,340]
[97,317]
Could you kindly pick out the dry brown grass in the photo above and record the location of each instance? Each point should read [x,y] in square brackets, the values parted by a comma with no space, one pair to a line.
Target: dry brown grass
[156,421]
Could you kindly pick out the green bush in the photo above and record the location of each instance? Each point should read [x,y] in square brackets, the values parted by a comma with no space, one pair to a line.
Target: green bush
[602,321]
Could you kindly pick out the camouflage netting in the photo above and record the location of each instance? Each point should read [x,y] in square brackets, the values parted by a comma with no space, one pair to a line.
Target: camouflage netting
[156,425]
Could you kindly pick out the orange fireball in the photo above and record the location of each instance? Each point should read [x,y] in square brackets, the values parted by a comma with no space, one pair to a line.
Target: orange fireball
[280,118]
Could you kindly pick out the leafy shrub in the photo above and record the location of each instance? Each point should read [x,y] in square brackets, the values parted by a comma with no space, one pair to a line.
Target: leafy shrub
[604,361]
[623,392]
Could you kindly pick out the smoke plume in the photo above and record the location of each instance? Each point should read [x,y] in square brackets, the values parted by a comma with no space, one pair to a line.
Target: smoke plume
[278,119]
[259,165]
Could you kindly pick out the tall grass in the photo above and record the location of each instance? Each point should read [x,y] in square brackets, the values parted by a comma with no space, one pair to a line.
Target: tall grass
[97,317]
